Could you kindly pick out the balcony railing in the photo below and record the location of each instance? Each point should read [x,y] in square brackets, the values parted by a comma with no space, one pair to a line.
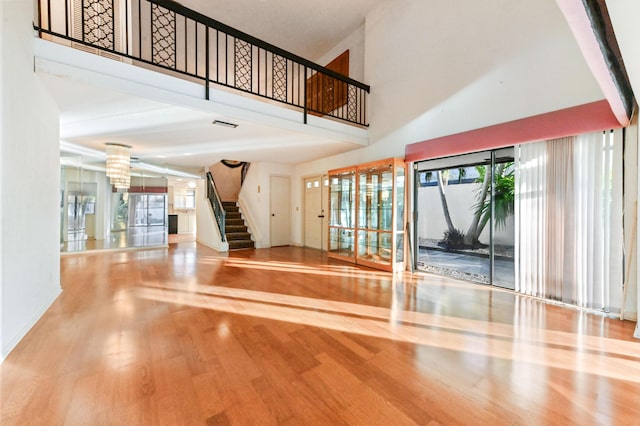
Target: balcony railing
[170,36]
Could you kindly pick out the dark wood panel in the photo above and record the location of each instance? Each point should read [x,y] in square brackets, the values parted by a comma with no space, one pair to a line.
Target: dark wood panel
[326,94]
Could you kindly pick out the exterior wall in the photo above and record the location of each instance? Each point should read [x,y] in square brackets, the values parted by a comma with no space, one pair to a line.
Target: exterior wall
[461,200]
[30,213]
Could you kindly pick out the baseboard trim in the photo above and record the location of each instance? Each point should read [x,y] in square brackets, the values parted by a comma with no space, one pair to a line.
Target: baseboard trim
[10,346]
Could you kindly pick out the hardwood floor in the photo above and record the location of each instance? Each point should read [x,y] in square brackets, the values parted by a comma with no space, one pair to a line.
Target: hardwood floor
[185,335]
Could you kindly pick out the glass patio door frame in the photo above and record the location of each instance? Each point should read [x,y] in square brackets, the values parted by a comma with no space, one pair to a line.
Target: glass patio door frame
[450,163]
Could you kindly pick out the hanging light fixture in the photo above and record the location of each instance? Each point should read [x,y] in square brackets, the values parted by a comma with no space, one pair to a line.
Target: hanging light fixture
[118,165]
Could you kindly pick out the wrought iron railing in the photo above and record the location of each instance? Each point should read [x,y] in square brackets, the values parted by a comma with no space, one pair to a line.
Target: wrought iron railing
[216,203]
[177,39]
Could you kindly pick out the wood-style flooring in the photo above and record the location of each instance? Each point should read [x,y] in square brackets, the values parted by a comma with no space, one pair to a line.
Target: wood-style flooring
[187,336]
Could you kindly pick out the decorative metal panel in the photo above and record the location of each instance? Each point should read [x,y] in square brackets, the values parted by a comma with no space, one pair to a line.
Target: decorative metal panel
[98,23]
[352,103]
[279,78]
[163,32]
[242,64]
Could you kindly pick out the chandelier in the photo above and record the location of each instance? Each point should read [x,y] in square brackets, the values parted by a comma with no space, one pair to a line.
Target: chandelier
[118,164]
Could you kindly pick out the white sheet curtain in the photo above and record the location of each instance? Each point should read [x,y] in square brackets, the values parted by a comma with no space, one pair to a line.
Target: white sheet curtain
[569,220]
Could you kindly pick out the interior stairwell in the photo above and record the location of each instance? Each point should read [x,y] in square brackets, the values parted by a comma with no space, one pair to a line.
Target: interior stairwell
[235,229]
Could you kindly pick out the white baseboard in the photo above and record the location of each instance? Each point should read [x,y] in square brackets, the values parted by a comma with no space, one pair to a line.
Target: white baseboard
[9,346]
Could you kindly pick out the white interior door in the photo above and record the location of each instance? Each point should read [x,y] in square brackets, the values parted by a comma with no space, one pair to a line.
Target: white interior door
[280,211]
[315,207]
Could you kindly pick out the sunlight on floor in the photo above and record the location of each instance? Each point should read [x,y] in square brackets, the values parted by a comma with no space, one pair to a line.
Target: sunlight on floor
[536,346]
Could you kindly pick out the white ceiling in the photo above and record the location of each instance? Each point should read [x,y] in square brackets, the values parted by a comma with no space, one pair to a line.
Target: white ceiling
[306,28]
[165,133]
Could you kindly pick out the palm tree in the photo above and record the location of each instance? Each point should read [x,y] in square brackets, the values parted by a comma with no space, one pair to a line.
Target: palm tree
[503,197]
[443,178]
[452,238]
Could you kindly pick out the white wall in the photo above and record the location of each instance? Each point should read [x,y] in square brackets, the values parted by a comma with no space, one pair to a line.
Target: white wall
[228,181]
[207,232]
[30,214]
[355,44]
[255,196]
[625,15]
[439,70]
[631,221]
[436,70]
[3,120]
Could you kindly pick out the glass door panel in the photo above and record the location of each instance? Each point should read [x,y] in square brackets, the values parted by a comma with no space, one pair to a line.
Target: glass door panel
[156,210]
[374,246]
[363,202]
[385,202]
[462,231]
[120,214]
[504,220]
[375,214]
[400,217]
[147,210]
[342,209]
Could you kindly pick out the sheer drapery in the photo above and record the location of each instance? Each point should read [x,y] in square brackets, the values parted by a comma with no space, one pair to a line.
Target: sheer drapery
[569,217]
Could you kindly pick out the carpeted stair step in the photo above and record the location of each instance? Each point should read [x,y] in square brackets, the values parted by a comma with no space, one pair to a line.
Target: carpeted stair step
[234,222]
[234,228]
[230,206]
[240,244]
[237,236]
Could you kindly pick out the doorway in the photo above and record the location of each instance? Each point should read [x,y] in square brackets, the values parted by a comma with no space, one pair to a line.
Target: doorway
[316,204]
[280,223]
[465,225]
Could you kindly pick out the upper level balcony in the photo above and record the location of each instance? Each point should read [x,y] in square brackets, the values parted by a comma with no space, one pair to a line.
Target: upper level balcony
[166,36]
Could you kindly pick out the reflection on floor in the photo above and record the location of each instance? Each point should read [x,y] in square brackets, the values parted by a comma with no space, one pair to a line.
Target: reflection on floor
[467,266]
[142,236]
[189,336]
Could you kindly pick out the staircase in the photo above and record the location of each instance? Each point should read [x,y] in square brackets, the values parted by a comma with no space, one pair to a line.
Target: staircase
[235,229]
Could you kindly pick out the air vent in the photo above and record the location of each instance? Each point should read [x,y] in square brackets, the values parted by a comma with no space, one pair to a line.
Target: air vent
[224,124]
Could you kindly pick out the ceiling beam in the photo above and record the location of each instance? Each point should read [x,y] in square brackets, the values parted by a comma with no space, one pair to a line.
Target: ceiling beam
[590,24]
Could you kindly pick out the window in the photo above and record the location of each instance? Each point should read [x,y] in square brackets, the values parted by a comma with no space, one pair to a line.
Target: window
[184,198]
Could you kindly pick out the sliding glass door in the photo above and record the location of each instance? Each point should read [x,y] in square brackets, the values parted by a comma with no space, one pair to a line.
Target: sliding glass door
[147,210]
[464,223]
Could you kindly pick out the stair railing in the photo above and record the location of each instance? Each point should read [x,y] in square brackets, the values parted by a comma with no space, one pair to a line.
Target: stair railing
[216,204]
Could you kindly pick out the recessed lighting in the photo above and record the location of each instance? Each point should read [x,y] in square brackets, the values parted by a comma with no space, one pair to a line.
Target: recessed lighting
[186,153]
[191,184]
[224,124]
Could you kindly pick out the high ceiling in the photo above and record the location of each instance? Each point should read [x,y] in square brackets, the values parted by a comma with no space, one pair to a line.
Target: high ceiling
[162,132]
[306,28]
